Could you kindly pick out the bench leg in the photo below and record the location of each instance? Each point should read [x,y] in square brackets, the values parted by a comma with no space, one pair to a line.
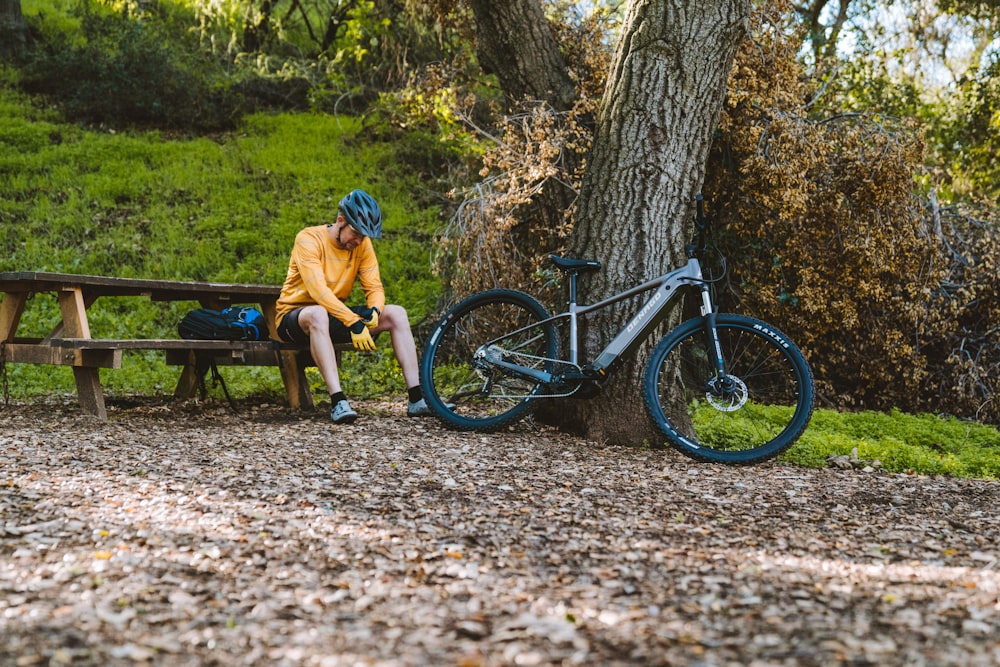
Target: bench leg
[190,378]
[11,309]
[293,374]
[74,325]
[88,389]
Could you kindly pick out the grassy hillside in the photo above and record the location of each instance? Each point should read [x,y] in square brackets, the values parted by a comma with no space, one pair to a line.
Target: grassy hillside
[223,209]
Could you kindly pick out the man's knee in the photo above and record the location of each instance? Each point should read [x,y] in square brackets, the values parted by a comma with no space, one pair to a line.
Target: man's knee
[314,320]
[394,316]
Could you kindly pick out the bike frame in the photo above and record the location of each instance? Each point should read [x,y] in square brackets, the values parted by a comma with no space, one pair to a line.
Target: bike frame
[653,312]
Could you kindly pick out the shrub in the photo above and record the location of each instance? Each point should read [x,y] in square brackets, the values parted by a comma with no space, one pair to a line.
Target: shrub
[893,299]
[127,70]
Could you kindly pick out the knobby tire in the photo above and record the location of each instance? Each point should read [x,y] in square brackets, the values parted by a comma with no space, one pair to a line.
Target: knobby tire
[471,394]
[765,409]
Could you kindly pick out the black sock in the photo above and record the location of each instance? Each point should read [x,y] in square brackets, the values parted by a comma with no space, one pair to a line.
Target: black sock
[414,394]
[337,398]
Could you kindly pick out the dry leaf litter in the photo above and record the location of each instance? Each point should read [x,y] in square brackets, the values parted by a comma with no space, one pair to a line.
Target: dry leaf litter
[185,534]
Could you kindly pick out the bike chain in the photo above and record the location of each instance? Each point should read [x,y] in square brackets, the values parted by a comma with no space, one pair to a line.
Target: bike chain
[512,355]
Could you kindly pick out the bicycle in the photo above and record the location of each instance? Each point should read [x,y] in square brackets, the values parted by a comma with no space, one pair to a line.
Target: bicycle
[721,387]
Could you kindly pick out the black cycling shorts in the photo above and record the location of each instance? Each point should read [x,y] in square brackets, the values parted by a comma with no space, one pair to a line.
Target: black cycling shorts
[291,332]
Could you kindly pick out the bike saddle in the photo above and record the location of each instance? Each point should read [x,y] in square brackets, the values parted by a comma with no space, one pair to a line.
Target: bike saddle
[567,264]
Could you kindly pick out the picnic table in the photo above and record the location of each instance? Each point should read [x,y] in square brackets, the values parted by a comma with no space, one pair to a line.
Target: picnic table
[70,342]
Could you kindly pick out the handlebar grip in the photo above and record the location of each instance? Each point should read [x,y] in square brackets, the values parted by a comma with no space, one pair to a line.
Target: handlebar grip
[700,204]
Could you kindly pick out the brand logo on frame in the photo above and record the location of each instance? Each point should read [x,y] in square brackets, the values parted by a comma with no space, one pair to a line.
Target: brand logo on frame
[637,320]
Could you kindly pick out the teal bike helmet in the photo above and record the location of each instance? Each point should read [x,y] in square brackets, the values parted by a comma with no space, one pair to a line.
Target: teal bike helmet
[362,212]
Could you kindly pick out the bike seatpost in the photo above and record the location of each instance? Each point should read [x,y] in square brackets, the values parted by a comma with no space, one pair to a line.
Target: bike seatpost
[574,352]
[572,287]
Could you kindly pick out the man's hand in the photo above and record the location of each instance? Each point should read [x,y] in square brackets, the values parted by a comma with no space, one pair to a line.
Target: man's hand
[370,317]
[361,338]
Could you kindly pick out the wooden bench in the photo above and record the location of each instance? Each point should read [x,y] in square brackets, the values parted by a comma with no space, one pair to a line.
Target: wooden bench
[195,356]
[70,342]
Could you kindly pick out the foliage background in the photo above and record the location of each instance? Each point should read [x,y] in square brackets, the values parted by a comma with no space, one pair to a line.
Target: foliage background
[187,139]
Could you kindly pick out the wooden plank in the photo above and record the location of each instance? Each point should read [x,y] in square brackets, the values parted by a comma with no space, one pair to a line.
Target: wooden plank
[164,344]
[182,344]
[269,309]
[241,357]
[74,313]
[190,377]
[100,358]
[89,392]
[157,290]
[21,353]
[75,325]
[293,374]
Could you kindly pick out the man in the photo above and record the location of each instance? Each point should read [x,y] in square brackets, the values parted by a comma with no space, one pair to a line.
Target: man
[325,263]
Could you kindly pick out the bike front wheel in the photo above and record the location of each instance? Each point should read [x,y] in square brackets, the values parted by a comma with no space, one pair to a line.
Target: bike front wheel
[754,411]
[465,368]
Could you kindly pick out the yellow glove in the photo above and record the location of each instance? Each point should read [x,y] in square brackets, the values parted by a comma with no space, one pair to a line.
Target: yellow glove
[361,338]
[372,320]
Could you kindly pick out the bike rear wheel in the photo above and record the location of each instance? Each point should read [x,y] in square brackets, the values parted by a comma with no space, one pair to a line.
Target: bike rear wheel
[459,375]
[758,411]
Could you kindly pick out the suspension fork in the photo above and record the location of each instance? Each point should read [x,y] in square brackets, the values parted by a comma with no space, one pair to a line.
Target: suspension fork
[711,331]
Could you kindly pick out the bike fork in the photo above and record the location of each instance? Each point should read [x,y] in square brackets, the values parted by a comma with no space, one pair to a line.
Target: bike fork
[712,332]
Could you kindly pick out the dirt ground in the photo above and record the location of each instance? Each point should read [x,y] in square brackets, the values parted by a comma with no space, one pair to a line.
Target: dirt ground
[185,534]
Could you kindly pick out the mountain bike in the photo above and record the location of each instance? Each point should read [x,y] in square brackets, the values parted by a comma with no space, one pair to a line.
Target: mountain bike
[721,387]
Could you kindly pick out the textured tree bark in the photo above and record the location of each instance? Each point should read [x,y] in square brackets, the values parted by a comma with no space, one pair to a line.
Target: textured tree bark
[658,114]
[515,44]
[13,30]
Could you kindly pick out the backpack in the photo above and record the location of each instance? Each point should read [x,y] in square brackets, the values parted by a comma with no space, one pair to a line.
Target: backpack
[235,323]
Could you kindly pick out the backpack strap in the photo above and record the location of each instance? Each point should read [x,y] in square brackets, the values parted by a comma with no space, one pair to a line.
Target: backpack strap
[216,381]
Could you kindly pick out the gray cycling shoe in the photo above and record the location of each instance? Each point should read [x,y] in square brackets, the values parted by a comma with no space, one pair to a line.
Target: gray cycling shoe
[421,409]
[342,413]
[418,409]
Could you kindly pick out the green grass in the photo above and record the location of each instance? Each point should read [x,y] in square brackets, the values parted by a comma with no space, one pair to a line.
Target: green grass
[141,204]
[902,443]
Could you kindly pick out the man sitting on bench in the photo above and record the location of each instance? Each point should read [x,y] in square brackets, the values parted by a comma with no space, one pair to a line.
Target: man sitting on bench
[325,262]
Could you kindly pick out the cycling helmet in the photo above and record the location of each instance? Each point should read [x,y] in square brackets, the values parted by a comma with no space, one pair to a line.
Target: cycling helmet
[362,212]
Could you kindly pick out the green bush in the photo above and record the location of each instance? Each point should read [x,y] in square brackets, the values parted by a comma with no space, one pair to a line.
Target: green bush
[127,70]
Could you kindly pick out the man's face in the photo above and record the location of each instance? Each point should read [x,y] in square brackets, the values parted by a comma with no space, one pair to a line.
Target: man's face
[347,237]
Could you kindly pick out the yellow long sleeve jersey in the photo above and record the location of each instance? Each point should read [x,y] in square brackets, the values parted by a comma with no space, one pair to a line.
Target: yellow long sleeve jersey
[321,273]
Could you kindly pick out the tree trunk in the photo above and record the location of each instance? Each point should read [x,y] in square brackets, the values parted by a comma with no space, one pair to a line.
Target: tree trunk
[13,30]
[657,117]
[515,44]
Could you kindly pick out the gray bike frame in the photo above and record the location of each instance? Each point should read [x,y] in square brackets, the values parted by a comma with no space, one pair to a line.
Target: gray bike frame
[639,327]
[651,314]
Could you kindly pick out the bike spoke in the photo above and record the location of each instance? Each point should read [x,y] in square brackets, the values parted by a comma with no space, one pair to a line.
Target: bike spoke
[463,369]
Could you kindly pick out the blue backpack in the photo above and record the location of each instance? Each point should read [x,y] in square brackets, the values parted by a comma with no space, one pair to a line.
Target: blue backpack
[235,323]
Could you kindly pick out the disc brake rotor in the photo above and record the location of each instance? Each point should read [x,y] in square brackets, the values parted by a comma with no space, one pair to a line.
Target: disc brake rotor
[728,394]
